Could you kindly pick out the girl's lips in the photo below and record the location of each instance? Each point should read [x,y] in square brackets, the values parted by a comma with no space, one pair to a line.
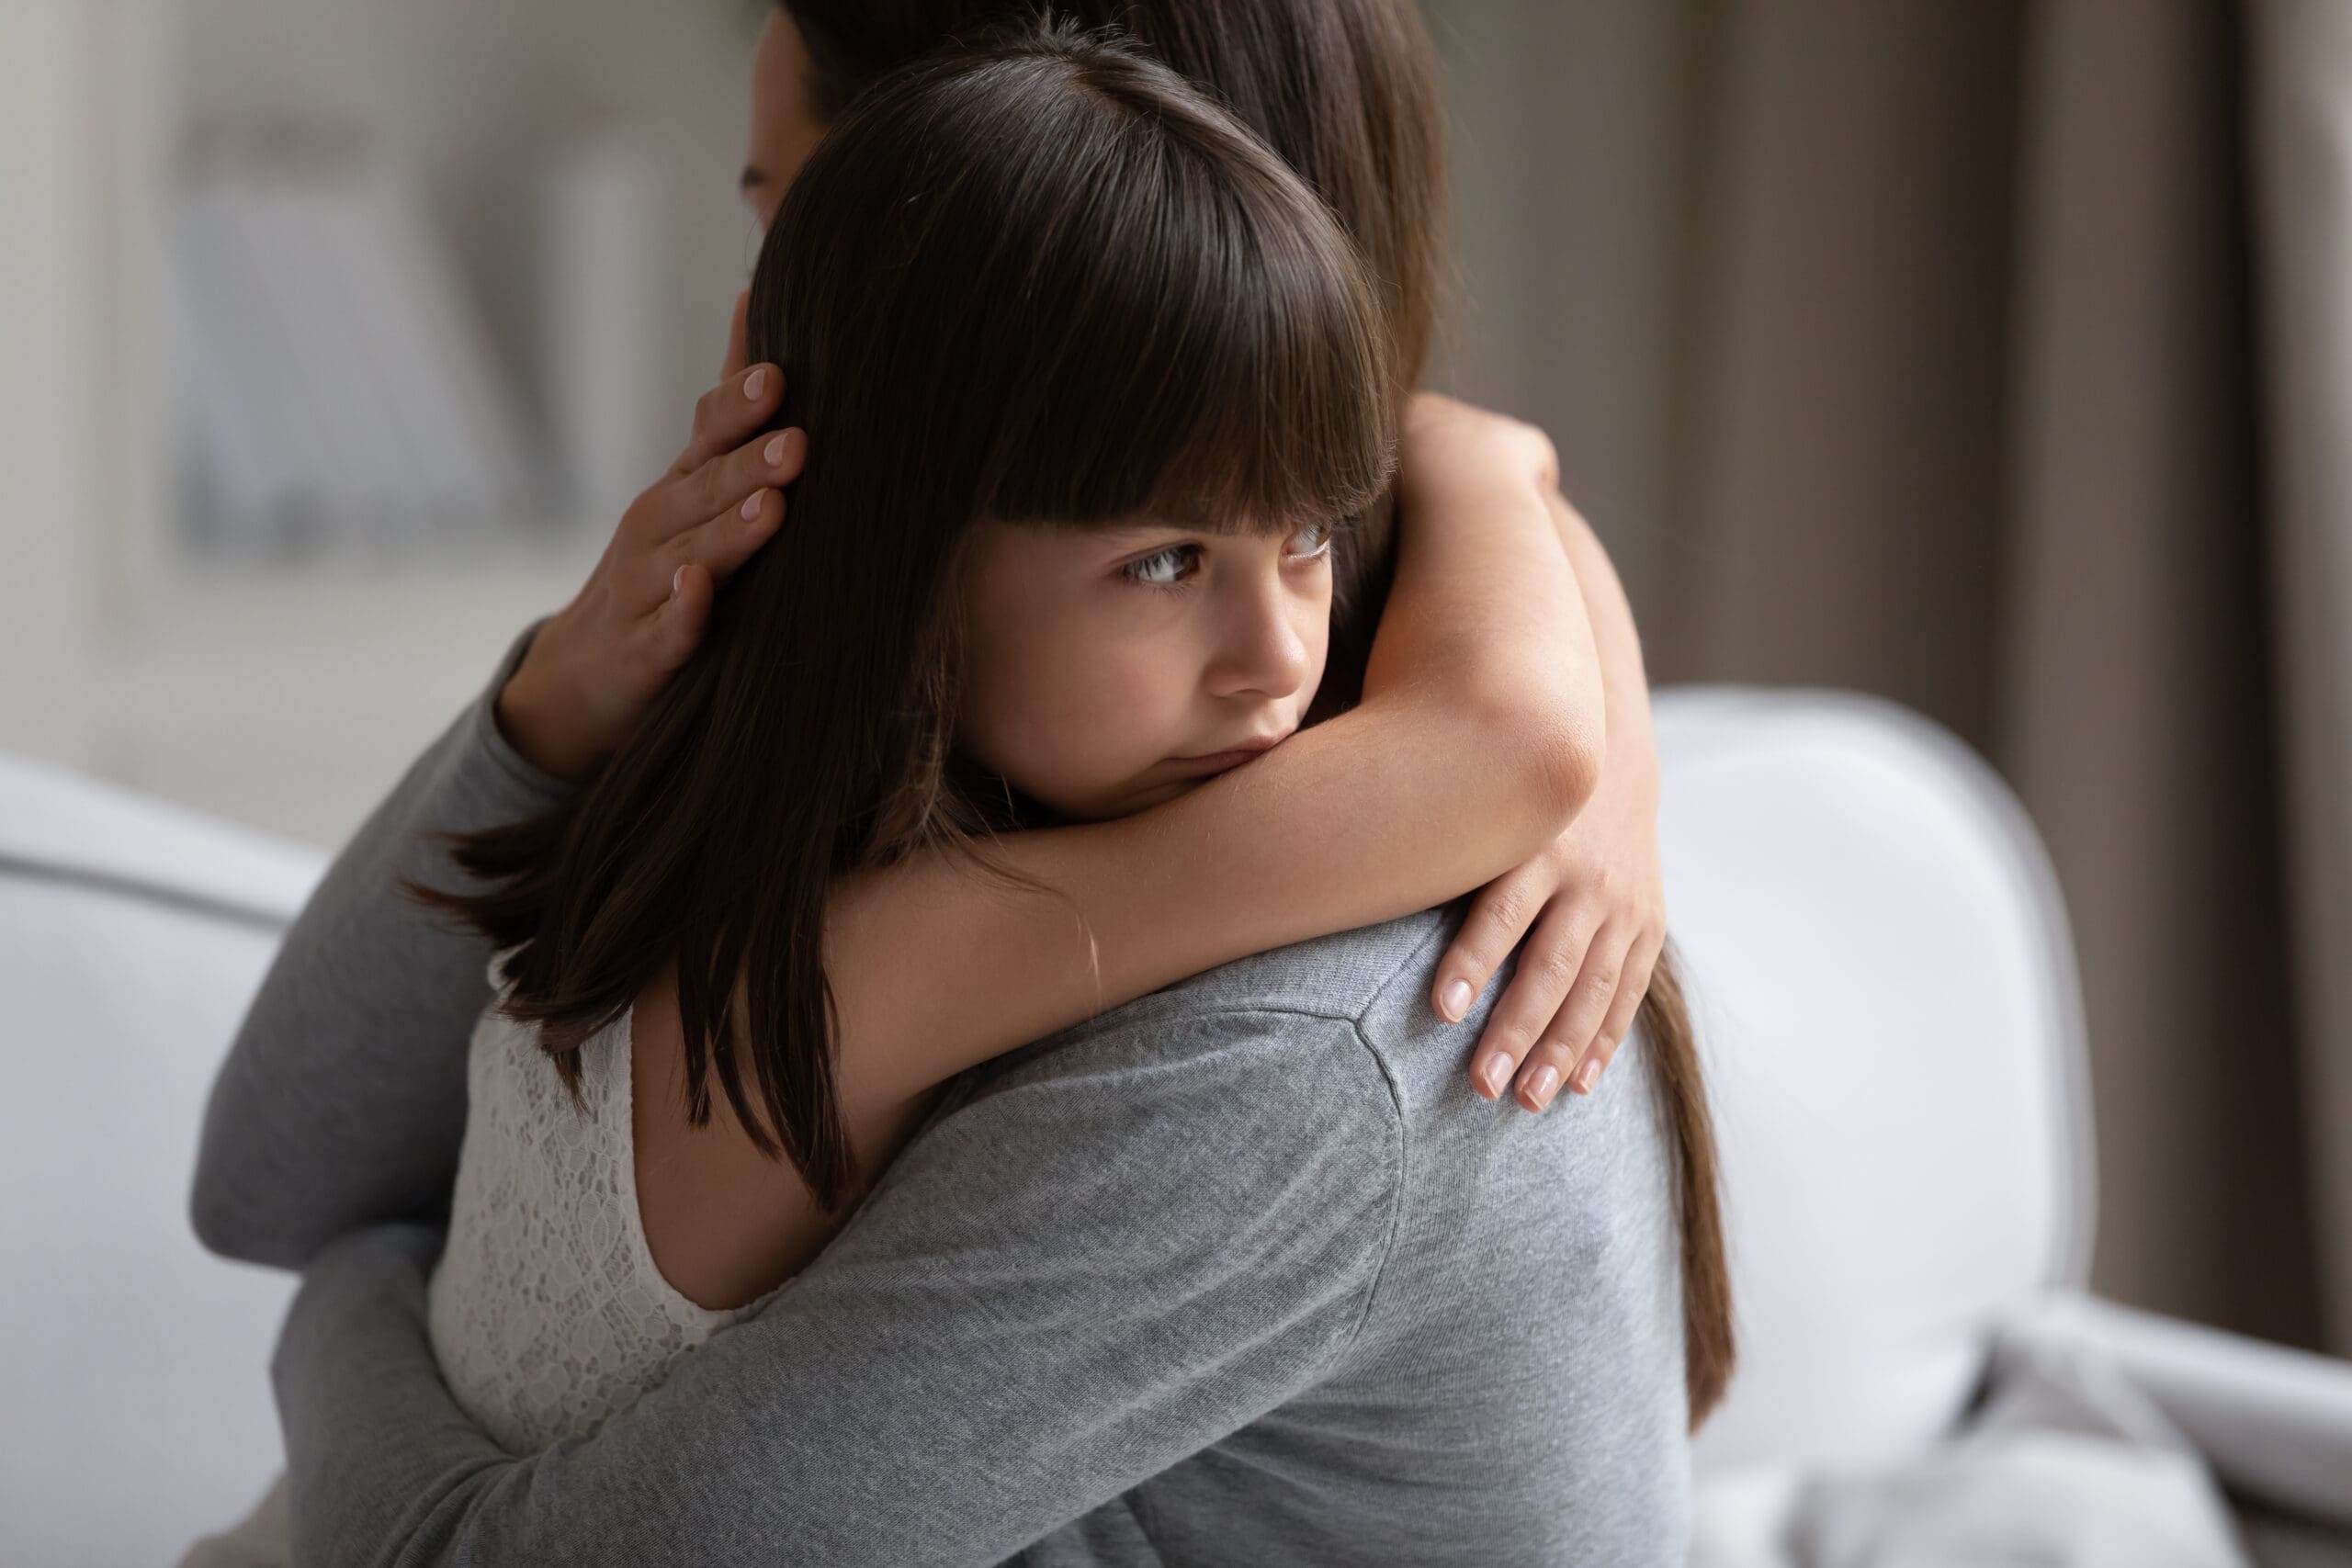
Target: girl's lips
[1219,761]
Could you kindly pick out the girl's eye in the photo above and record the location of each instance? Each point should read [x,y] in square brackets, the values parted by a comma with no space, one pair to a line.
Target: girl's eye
[1165,568]
[1323,533]
[1171,568]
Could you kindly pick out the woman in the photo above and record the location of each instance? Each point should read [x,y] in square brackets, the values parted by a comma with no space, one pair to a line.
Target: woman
[1455,759]
[1095,386]
[1112,548]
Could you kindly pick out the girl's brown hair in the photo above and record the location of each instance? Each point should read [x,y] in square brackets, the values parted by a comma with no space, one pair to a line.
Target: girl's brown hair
[708,835]
[1346,92]
[1039,279]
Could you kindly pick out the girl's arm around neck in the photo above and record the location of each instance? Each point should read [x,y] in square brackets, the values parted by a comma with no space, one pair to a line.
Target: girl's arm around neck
[1479,736]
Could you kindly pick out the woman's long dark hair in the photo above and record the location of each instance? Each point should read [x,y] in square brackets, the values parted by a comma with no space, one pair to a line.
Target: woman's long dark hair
[1347,93]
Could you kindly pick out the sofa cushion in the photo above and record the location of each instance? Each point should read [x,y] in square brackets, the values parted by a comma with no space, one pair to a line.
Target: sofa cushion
[1883,986]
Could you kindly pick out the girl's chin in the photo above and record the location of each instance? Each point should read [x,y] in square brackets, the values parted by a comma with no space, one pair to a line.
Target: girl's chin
[1127,801]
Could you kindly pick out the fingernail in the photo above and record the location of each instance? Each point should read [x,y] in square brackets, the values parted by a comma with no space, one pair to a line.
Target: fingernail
[1496,1072]
[1456,1000]
[677,582]
[1545,1083]
[774,453]
[1588,1073]
[755,383]
[752,504]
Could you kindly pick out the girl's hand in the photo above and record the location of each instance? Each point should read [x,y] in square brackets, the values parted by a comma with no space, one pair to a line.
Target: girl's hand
[595,664]
[1596,901]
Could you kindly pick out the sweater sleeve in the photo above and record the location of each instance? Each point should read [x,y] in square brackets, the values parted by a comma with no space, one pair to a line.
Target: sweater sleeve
[341,1102]
[1116,1255]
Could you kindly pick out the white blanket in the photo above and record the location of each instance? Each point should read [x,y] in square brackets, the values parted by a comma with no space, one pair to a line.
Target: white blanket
[2066,1466]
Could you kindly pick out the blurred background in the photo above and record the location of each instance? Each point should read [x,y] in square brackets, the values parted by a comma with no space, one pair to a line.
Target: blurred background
[1984,355]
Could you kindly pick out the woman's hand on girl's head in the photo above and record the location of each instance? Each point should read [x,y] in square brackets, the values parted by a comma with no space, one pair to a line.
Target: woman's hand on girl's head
[595,664]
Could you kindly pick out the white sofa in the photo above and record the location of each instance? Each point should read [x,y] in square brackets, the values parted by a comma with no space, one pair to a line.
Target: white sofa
[1881,969]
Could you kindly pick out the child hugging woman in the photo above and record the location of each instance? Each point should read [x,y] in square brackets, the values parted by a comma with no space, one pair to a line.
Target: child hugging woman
[1099,398]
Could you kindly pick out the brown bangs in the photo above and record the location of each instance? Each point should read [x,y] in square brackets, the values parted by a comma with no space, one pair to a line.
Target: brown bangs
[1204,349]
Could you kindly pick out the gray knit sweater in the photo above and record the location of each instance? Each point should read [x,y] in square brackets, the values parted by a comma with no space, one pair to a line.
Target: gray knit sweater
[1239,1274]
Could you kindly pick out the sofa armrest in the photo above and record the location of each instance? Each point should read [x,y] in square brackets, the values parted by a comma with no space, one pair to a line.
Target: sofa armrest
[2280,1540]
[2275,1424]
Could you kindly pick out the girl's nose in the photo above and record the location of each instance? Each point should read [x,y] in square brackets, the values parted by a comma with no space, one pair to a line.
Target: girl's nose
[1262,648]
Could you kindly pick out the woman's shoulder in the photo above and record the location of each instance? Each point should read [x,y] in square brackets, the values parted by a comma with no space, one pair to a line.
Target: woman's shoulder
[1305,1006]
[1294,1021]
[1344,977]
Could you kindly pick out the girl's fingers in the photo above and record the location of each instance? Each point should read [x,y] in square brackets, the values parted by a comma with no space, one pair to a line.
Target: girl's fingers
[1546,1069]
[1549,1064]
[1553,956]
[1636,985]
[1501,915]
[1588,1000]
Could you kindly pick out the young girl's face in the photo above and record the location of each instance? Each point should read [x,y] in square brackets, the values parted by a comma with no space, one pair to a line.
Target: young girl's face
[1106,667]
[1103,666]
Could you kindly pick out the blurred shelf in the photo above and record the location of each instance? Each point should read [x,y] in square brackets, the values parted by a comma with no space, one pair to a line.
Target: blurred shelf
[211,616]
[291,697]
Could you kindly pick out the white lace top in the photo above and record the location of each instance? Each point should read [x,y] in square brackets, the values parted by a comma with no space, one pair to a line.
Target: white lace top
[546,1310]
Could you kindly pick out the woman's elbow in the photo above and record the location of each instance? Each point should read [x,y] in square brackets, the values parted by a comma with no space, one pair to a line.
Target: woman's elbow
[229,1227]
[241,1209]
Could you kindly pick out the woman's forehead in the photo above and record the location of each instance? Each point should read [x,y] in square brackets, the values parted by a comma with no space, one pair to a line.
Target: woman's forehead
[784,127]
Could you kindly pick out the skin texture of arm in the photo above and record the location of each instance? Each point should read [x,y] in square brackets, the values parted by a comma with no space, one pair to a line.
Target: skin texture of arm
[1152,1243]
[342,1102]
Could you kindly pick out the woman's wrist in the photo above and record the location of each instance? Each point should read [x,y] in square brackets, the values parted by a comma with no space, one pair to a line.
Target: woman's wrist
[532,713]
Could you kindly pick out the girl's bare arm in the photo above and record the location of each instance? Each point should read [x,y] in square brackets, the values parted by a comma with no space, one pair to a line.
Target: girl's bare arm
[1587,916]
[1478,737]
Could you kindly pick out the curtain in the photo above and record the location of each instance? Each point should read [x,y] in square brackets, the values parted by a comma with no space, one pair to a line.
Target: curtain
[2301,91]
[1991,357]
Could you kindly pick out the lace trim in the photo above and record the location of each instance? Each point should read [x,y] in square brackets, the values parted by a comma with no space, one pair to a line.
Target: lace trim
[547,1310]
